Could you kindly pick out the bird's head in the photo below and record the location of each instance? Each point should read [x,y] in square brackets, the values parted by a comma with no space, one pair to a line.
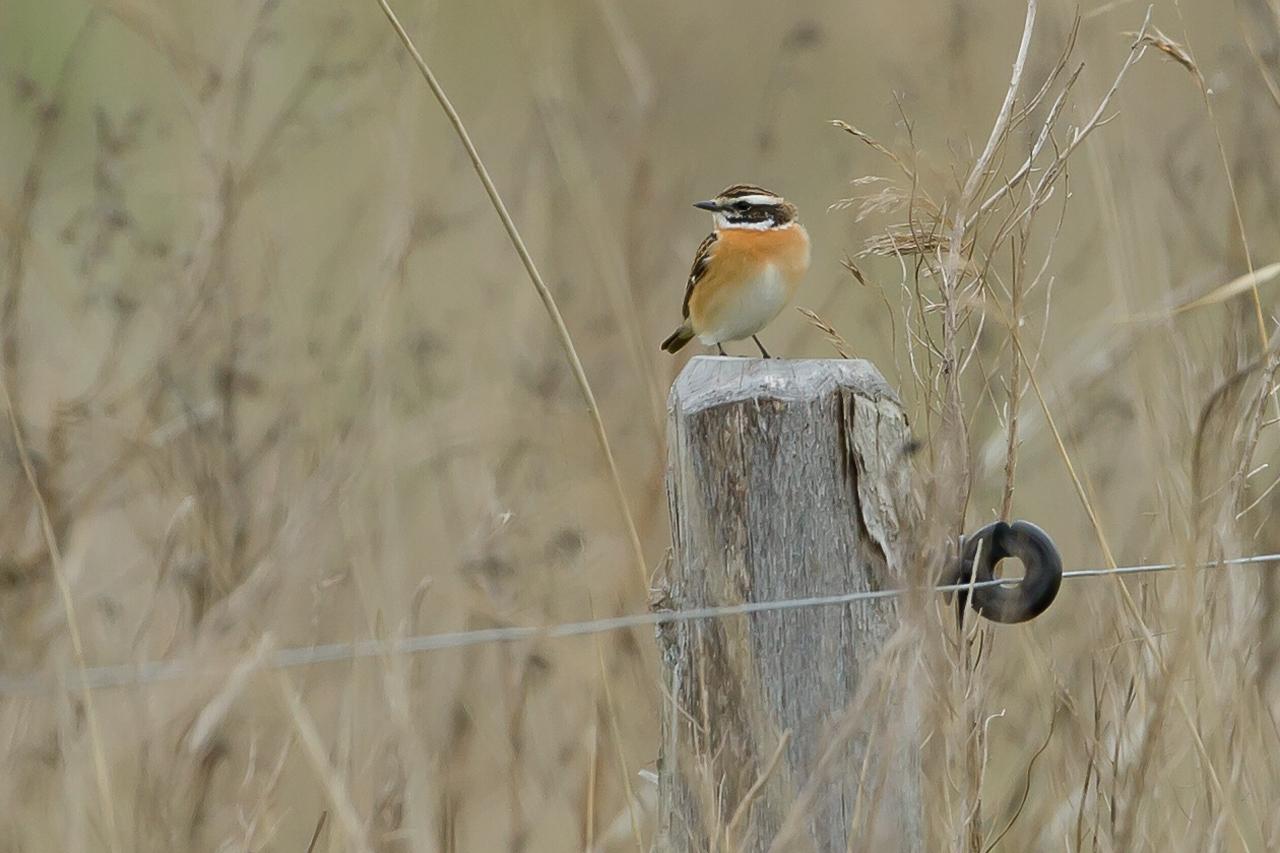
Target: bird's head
[747,206]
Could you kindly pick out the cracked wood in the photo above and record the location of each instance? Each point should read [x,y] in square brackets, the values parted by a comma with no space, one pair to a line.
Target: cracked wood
[785,479]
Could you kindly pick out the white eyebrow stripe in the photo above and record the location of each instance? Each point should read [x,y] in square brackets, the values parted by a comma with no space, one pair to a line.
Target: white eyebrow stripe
[759,199]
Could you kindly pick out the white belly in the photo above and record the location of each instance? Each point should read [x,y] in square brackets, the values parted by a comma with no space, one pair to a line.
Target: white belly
[758,302]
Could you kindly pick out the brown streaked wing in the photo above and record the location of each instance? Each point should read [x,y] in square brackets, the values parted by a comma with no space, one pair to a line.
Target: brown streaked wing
[701,260]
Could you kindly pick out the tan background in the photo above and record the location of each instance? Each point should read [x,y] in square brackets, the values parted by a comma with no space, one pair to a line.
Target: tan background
[287,378]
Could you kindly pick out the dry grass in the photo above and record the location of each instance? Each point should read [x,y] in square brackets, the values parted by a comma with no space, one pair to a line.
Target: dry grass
[274,378]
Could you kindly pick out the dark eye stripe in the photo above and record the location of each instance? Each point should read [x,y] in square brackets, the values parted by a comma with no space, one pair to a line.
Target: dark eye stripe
[776,213]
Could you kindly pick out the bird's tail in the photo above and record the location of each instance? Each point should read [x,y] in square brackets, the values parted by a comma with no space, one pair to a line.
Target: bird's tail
[679,338]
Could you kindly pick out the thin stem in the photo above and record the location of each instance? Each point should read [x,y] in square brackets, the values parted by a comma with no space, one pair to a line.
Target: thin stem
[101,773]
[1231,187]
[544,293]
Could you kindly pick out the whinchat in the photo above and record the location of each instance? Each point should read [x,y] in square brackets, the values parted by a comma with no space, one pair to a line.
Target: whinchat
[746,270]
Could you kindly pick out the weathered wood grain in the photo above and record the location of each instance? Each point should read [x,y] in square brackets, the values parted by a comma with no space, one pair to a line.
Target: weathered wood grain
[785,479]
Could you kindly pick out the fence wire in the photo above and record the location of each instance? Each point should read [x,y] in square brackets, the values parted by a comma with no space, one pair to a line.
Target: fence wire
[165,671]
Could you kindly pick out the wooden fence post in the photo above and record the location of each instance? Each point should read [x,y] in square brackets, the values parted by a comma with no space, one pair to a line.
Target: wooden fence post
[786,479]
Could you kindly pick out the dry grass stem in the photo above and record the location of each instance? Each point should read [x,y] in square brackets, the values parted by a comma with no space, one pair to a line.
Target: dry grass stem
[837,342]
[544,292]
[273,404]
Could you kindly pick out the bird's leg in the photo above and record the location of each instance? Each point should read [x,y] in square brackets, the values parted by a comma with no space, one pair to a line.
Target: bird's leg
[721,349]
[764,353]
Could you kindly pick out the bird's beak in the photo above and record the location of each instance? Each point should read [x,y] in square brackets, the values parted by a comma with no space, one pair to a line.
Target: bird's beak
[707,205]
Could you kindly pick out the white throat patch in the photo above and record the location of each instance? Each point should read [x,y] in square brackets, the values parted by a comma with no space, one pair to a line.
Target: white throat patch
[722,223]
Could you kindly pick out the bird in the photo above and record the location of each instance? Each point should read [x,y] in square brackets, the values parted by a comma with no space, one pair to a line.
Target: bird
[745,271]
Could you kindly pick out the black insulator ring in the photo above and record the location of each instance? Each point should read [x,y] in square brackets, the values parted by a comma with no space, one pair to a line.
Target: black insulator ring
[1017,602]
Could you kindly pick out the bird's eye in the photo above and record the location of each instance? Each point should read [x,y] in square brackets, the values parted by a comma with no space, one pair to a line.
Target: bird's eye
[742,207]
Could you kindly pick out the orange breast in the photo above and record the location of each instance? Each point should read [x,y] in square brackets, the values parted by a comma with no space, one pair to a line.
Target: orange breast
[738,258]
[788,248]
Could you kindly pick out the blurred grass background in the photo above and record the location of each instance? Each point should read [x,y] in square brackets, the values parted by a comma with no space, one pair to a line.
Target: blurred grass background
[283,376]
